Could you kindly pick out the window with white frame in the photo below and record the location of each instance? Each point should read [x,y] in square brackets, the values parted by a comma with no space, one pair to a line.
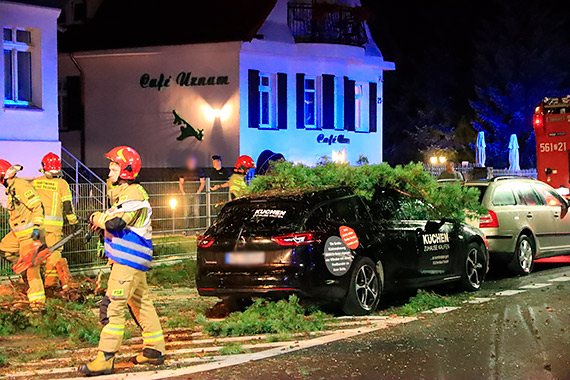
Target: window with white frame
[17,67]
[311,103]
[265,103]
[358,96]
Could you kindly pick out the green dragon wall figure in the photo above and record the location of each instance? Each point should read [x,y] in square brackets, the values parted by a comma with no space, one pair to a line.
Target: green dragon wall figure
[186,130]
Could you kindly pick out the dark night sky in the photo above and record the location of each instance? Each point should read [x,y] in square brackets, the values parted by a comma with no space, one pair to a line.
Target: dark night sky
[434,45]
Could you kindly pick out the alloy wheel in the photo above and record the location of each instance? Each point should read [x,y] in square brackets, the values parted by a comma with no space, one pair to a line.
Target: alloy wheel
[525,255]
[474,268]
[366,285]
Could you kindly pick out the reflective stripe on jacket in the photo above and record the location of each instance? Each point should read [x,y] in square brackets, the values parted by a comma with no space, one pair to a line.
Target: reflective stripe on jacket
[128,248]
[131,246]
[53,193]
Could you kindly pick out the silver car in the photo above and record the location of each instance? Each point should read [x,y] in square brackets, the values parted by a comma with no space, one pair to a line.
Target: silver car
[527,219]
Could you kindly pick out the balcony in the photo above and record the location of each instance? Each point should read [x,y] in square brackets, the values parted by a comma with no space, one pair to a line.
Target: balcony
[326,23]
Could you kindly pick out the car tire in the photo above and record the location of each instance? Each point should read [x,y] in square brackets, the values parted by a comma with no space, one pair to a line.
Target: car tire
[474,268]
[523,260]
[364,289]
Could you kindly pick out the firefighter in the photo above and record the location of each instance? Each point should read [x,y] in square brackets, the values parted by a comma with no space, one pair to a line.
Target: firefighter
[236,182]
[56,198]
[26,224]
[128,246]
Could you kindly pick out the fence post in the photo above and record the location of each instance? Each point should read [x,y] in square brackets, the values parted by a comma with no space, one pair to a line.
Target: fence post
[208,203]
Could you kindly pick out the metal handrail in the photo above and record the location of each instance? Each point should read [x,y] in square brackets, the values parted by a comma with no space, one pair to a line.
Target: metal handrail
[78,164]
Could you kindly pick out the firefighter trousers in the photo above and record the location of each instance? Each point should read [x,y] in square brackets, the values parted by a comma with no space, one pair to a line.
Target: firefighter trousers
[127,287]
[51,263]
[14,247]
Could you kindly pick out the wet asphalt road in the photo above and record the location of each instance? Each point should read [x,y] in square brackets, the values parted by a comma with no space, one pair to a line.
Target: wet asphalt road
[524,336]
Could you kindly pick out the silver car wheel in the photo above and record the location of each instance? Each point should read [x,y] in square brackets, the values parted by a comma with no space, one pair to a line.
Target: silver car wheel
[366,286]
[525,255]
[474,268]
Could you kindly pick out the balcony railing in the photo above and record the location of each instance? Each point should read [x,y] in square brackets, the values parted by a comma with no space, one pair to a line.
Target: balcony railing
[326,23]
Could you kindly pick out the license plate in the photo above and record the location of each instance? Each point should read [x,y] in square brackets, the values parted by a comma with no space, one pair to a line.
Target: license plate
[245,258]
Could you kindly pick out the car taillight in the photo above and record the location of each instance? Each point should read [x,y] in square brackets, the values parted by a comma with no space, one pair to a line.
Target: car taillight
[489,221]
[204,241]
[294,239]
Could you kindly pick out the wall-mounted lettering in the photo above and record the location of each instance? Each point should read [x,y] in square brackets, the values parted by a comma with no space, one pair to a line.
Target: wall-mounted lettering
[158,83]
[332,139]
[183,79]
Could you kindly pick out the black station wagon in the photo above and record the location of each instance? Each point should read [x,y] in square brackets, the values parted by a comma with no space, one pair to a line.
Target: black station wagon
[334,246]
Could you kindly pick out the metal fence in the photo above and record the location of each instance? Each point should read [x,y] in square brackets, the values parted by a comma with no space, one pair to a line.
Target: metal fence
[436,170]
[177,218]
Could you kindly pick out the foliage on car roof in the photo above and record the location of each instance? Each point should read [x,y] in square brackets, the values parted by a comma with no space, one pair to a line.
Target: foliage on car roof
[450,201]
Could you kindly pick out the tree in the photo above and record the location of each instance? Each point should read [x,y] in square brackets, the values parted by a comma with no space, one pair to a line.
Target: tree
[522,56]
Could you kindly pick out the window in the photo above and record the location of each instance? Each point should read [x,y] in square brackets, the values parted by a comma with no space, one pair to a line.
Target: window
[17,67]
[79,9]
[310,103]
[527,195]
[265,104]
[358,107]
[550,196]
[504,196]
[348,210]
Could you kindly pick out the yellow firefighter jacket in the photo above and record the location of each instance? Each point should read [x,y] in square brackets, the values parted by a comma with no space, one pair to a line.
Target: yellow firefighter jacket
[131,246]
[57,200]
[25,208]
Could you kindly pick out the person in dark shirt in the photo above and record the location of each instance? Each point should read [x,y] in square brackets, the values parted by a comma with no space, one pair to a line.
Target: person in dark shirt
[218,173]
[196,180]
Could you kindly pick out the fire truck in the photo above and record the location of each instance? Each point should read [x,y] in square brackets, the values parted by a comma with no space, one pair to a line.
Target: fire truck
[551,123]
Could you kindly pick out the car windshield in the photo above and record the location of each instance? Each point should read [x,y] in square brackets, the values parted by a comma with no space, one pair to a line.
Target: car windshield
[482,190]
[254,217]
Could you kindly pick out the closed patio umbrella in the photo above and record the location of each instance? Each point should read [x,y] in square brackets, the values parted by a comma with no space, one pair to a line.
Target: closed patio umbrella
[480,150]
[514,164]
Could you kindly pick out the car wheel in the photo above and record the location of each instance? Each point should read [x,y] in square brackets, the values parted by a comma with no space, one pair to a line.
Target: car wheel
[474,268]
[523,260]
[364,289]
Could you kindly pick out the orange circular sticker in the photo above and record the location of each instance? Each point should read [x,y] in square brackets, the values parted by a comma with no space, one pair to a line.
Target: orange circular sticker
[349,237]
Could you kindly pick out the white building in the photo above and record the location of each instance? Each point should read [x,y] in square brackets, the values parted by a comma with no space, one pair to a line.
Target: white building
[298,77]
[29,114]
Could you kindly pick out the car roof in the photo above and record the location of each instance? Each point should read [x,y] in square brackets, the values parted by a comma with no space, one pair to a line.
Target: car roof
[501,179]
[308,197]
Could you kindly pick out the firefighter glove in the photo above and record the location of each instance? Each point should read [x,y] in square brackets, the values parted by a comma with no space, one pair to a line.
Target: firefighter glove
[36,234]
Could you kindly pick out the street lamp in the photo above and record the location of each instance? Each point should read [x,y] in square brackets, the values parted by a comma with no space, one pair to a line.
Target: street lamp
[442,159]
[433,160]
[173,202]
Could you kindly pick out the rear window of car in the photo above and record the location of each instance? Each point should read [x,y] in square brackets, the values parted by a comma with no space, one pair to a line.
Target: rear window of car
[260,217]
[503,196]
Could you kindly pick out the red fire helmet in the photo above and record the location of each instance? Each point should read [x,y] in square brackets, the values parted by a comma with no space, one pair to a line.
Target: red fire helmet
[244,163]
[51,162]
[128,159]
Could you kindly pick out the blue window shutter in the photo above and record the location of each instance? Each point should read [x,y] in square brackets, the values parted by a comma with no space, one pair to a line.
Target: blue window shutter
[253,83]
[300,101]
[373,107]
[328,101]
[281,101]
[349,104]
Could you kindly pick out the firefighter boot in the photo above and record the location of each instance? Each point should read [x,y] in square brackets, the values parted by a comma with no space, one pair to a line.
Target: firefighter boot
[104,364]
[149,356]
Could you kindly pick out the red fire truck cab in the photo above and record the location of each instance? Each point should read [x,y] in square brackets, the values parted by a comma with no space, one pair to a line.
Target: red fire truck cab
[551,123]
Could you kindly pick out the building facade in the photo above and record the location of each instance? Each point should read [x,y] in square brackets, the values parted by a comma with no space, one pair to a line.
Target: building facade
[305,81]
[29,115]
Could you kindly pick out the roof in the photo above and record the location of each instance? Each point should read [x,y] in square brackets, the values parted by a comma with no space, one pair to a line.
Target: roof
[40,3]
[141,23]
